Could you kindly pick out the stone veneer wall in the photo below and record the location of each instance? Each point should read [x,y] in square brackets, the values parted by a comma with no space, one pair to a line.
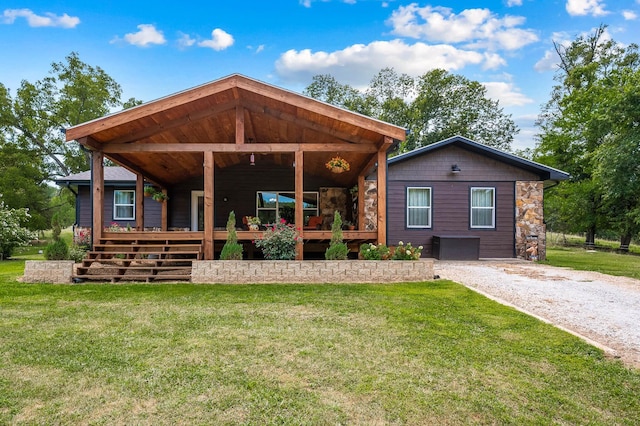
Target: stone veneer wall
[48,271]
[370,205]
[310,271]
[530,217]
[332,199]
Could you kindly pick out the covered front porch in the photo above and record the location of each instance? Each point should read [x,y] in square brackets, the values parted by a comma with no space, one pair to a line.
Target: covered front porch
[236,145]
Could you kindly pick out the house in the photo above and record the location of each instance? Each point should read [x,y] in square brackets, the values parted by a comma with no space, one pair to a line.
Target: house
[463,200]
[119,199]
[235,144]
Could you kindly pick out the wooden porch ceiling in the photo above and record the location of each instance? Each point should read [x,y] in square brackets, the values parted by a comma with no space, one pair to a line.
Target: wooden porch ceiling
[234,117]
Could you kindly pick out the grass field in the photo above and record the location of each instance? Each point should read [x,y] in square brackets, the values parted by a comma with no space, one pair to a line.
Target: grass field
[413,353]
[627,265]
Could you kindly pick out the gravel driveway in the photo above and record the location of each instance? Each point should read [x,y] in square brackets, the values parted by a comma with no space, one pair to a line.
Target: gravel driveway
[602,309]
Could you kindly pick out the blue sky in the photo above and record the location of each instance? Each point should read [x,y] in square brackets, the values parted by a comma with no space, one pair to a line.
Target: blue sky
[154,49]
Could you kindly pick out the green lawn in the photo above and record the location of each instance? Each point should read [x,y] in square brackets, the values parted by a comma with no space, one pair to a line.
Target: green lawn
[627,265]
[413,353]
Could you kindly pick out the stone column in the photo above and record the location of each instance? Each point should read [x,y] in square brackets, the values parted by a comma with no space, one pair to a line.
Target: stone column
[530,218]
[370,205]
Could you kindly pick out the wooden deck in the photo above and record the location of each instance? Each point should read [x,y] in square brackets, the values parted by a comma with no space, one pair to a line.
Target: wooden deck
[155,256]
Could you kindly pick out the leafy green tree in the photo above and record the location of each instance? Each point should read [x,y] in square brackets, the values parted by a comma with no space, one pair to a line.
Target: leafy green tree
[23,184]
[584,122]
[434,106]
[32,123]
[12,230]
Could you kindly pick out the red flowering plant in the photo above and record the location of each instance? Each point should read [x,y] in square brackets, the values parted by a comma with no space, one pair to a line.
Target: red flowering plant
[82,237]
[279,241]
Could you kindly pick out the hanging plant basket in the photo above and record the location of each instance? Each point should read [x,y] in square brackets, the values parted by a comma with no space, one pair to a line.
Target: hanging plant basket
[149,191]
[338,165]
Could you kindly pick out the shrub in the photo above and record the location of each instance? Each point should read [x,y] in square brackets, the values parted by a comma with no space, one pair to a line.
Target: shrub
[77,253]
[232,250]
[279,241]
[12,234]
[337,250]
[406,252]
[370,251]
[82,237]
[56,250]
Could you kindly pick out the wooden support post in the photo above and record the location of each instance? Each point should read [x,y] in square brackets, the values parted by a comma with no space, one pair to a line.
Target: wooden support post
[208,205]
[164,211]
[97,171]
[139,202]
[382,197]
[299,213]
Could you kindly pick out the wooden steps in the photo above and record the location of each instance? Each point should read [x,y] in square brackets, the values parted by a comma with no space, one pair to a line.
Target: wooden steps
[140,258]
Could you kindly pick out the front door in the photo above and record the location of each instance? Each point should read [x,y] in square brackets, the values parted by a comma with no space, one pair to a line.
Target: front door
[197,210]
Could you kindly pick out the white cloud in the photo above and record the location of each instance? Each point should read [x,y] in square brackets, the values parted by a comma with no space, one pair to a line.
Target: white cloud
[356,64]
[586,7]
[185,41]
[548,62]
[476,27]
[629,15]
[220,40]
[511,3]
[33,20]
[506,93]
[147,35]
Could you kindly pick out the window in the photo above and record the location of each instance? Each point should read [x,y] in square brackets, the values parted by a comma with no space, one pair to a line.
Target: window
[275,205]
[124,207]
[418,207]
[483,210]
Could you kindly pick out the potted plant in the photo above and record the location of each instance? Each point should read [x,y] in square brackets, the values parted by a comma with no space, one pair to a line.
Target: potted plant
[149,191]
[160,197]
[253,222]
[338,165]
[349,225]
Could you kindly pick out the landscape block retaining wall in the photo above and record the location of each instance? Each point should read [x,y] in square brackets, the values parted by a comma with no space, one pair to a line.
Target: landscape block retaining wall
[310,271]
[48,271]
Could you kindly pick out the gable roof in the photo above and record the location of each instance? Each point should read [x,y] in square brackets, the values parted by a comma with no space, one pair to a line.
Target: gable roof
[112,176]
[545,172]
[233,116]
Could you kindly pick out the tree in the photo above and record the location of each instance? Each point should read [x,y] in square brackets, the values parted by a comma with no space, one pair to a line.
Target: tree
[434,106]
[12,230]
[585,119]
[32,124]
[73,93]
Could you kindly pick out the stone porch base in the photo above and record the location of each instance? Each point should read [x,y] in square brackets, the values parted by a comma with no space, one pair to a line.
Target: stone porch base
[310,271]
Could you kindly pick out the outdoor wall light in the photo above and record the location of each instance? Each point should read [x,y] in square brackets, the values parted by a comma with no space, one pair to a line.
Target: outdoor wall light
[252,160]
[455,168]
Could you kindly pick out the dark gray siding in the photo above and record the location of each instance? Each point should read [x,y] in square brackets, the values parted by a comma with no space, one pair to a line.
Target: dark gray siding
[152,209]
[239,185]
[451,199]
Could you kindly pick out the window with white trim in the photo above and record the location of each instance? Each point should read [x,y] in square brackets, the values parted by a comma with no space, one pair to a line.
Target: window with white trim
[483,208]
[418,207]
[124,204]
[272,206]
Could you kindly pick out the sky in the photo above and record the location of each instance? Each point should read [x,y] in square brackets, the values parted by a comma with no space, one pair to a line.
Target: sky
[154,49]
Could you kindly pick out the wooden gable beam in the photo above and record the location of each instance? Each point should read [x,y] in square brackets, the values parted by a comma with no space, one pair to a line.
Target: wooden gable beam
[150,108]
[148,131]
[239,125]
[240,148]
[322,108]
[280,115]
